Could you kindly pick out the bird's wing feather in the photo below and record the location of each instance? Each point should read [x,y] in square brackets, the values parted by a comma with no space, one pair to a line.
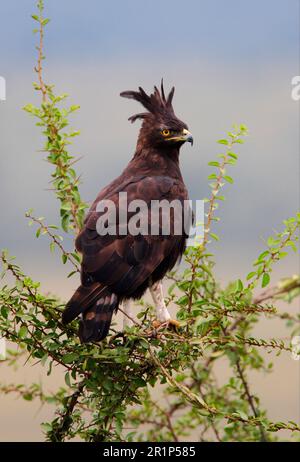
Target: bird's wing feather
[125,262]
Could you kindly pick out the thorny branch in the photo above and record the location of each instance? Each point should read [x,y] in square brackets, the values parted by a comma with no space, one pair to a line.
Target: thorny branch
[46,230]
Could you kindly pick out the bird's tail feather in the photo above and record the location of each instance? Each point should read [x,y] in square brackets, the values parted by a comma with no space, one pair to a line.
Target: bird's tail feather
[97,304]
[82,299]
[95,323]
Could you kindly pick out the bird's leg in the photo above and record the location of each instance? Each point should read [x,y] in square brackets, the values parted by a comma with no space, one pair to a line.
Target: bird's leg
[162,313]
[127,322]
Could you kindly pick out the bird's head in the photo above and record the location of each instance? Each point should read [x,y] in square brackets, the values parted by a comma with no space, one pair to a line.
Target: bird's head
[161,128]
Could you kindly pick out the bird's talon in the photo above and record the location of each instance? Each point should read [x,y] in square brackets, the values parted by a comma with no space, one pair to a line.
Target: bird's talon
[174,323]
[169,323]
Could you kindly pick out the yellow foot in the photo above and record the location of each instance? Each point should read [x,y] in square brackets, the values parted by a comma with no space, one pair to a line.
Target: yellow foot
[170,323]
[174,323]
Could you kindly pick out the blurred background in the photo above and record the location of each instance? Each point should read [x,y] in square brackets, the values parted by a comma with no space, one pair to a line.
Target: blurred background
[231,62]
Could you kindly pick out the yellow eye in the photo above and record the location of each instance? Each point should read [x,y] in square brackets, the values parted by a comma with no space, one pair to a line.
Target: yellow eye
[165,132]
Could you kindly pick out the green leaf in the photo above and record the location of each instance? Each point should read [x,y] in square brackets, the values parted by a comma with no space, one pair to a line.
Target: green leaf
[228,179]
[214,236]
[292,244]
[4,312]
[243,415]
[232,154]
[139,382]
[73,108]
[23,332]
[76,256]
[239,286]
[46,427]
[67,379]
[282,255]
[72,273]
[226,142]
[65,222]
[214,164]
[243,128]
[265,280]
[144,343]
[69,358]
[263,255]
[250,275]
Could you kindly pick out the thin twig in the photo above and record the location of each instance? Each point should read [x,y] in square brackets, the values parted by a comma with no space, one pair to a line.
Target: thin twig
[250,398]
[53,237]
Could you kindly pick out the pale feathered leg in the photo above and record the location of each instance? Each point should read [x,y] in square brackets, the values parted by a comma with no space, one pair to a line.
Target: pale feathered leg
[162,313]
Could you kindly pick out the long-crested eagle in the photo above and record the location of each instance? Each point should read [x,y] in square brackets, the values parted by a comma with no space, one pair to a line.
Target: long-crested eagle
[117,267]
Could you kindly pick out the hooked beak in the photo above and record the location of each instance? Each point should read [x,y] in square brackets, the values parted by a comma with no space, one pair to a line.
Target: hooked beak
[187,136]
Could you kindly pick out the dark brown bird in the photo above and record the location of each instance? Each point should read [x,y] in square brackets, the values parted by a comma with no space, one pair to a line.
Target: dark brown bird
[122,266]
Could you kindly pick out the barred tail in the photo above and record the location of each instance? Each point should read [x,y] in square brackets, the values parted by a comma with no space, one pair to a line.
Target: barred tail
[96,321]
[97,304]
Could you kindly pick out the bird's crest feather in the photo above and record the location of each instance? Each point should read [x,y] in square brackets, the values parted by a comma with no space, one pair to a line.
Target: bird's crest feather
[156,103]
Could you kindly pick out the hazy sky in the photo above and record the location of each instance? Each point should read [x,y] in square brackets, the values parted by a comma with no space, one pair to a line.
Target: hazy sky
[166,30]
[230,61]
